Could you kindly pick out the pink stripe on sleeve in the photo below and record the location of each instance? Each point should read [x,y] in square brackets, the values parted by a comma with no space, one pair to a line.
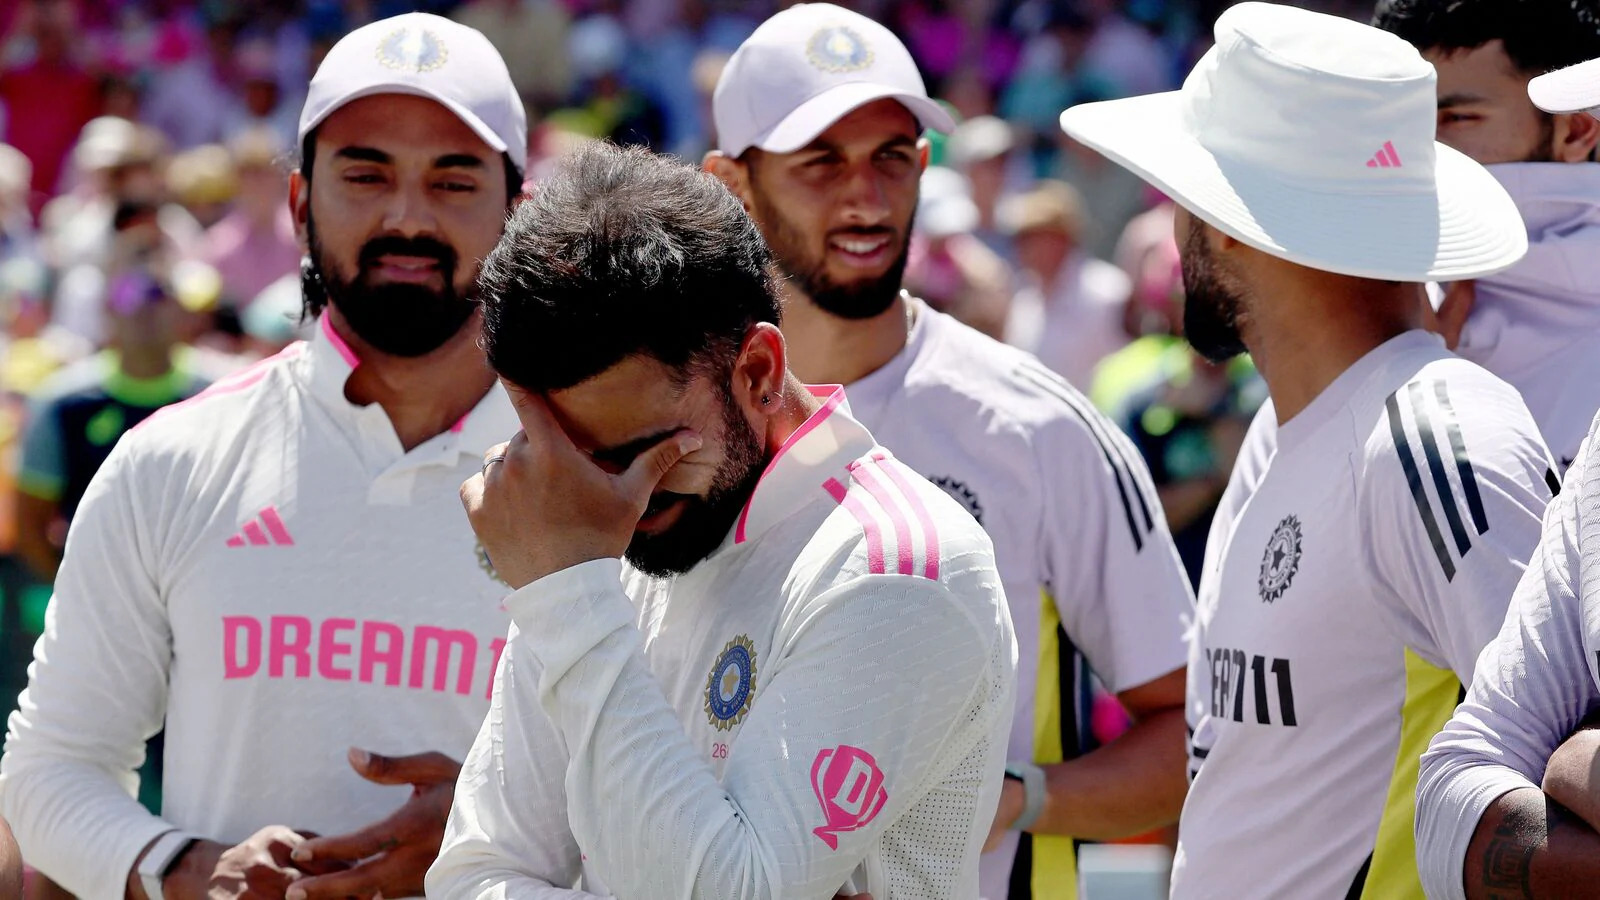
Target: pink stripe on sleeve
[893,508]
[930,533]
[868,524]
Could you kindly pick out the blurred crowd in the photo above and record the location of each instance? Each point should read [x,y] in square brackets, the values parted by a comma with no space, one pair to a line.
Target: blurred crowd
[147,248]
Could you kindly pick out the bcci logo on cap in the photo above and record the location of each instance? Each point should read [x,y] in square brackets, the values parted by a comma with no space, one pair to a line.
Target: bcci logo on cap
[732,684]
[849,785]
[838,49]
[412,49]
[1281,561]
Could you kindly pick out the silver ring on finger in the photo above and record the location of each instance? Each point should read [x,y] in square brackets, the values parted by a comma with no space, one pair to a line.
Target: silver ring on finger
[498,457]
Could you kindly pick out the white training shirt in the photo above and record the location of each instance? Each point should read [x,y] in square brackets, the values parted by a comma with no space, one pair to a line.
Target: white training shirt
[823,701]
[1363,554]
[1535,682]
[263,571]
[1082,544]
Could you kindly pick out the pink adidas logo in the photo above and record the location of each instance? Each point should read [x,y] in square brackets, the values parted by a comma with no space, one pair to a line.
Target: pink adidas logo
[1385,158]
[266,529]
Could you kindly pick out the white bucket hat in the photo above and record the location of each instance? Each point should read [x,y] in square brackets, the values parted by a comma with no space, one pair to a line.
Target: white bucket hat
[1310,137]
[805,69]
[1573,89]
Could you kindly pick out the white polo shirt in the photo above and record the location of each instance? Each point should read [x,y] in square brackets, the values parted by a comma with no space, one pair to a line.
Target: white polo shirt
[265,572]
[1355,569]
[1535,682]
[1089,567]
[823,701]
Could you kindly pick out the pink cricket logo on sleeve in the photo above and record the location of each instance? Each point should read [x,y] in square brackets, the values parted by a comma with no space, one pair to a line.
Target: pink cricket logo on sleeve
[849,786]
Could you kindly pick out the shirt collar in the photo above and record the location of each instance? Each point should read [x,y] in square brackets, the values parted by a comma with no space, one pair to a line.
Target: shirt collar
[331,361]
[819,449]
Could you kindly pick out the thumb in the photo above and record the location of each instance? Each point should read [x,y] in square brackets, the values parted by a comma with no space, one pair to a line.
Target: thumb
[421,768]
[653,464]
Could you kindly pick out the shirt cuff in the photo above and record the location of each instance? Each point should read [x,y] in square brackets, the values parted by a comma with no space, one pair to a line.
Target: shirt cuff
[564,615]
[1463,801]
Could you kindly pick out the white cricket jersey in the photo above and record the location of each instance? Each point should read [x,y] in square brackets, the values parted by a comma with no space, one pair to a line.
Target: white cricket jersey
[1356,567]
[263,571]
[1535,682]
[823,701]
[1080,539]
[1537,324]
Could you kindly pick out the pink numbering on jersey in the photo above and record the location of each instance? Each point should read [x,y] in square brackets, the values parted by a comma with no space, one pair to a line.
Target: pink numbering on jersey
[849,786]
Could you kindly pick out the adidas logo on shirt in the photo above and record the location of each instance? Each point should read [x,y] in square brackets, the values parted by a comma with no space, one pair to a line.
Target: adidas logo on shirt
[266,529]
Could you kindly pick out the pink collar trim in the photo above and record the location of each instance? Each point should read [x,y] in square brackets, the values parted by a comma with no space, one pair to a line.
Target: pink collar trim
[832,397]
[345,353]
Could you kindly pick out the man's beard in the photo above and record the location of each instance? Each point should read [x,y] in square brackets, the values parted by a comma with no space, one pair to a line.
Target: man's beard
[1210,307]
[704,521]
[407,320]
[859,300]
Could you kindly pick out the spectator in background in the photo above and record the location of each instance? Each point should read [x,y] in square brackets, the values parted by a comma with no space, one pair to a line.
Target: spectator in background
[254,245]
[124,189]
[980,148]
[1069,309]
[1186,415]
[193,100]
[17,237]
[76,420]
[48,99]
[948,266]
[532,36]
[203,182]
[261,100]
[1537,325]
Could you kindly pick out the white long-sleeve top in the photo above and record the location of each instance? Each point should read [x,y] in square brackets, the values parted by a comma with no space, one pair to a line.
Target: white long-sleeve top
[823,701]
[1534,683]
[265,572]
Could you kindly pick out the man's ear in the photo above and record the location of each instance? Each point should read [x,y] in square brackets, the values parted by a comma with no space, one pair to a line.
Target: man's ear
[733,173]
[924,152]
[300,208]
[760,369]
[1573,137]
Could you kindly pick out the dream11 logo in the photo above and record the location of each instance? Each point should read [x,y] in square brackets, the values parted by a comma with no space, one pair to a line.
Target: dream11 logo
[849,786]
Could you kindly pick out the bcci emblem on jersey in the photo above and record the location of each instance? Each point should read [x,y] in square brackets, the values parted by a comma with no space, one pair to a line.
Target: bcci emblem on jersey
[1281,560]
[962,494]
[732,684]
[838,49]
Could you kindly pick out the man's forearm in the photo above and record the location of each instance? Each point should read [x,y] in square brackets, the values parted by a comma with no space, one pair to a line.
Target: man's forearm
[1131,785]
[1528,845]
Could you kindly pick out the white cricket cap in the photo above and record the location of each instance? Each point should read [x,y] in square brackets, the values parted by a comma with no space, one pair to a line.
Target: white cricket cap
[425,56]
[805,69]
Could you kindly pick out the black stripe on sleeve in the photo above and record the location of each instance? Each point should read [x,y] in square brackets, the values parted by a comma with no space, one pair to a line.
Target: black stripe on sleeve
[1469,481]
[1359,884]
[1414,481]
[1106,449]
[1441,481]
[1552,482]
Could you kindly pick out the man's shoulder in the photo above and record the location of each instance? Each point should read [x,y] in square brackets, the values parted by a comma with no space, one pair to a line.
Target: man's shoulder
[963,375]
[1445,405]
[228,409]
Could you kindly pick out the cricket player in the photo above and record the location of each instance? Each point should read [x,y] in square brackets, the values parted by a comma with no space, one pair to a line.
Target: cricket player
[755,656]
[820,116]
[1355,570]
